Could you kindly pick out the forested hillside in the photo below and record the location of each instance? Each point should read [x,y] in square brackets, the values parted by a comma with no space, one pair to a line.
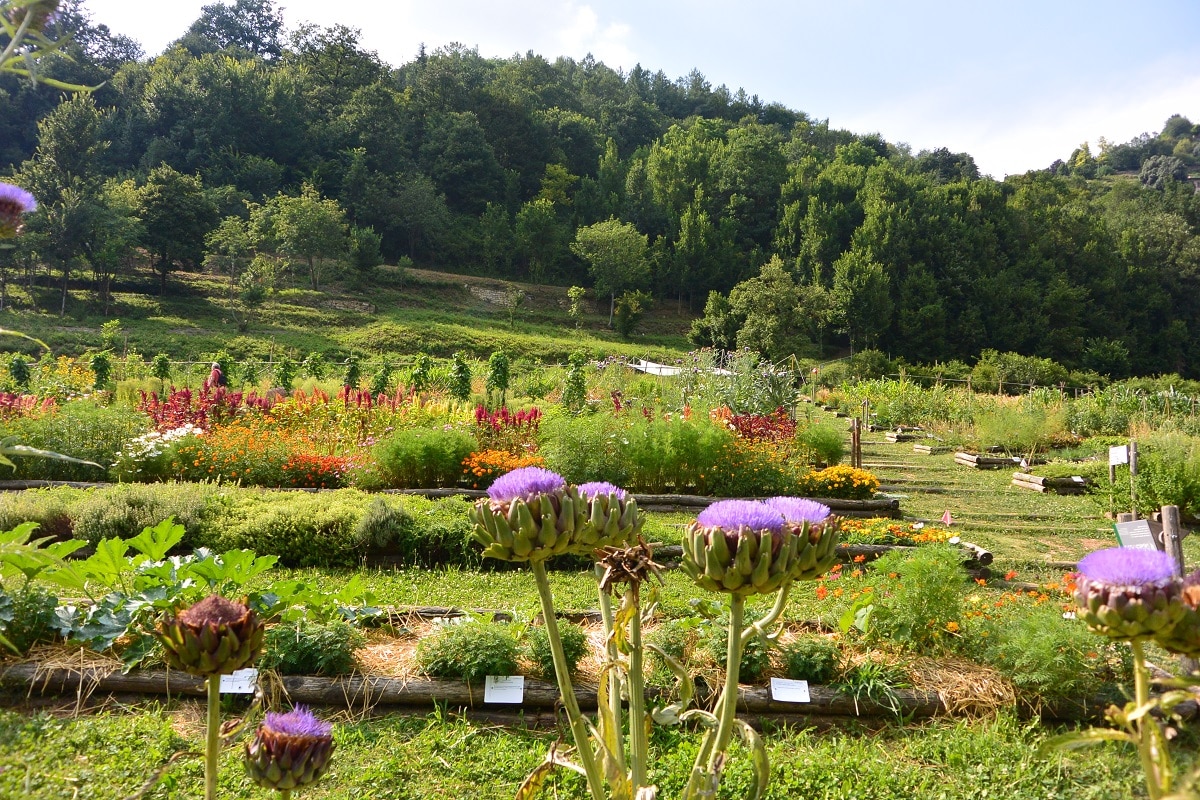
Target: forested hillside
[247,152]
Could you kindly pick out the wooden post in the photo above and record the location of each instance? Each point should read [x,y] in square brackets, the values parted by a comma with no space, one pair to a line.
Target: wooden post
[866,412]
[1133,467]
[1172,535]
[1125,516]
[856,443]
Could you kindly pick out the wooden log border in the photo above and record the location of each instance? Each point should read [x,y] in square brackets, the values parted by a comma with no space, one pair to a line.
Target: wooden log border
[372,695]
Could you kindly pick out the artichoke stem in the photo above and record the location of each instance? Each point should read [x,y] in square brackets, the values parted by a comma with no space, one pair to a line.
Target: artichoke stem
[638,749]
[614,679]
[212,747]
[579,728]
[771,618]
[729,697]
[1147,748]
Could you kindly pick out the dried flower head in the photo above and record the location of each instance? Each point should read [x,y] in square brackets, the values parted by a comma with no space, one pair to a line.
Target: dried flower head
[213,637]
[525,483]
[14,201]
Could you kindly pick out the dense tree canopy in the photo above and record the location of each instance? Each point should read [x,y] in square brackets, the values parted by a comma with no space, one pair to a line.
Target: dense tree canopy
[311,148]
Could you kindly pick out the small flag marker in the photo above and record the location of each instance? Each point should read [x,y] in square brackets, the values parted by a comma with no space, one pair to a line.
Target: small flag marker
[947,519]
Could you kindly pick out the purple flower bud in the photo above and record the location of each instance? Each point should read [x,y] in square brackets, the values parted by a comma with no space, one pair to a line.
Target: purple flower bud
[729,515]
[14,201]
[599,487]
[798,509]
[526,483]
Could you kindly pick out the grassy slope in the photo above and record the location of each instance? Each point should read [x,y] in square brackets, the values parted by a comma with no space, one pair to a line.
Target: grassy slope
[422,310]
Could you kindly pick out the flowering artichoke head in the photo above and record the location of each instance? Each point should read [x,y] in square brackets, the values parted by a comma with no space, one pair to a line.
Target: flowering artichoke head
[289,750]
[1125,593]
[747,547]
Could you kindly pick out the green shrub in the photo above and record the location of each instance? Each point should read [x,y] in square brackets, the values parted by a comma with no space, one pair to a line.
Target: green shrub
[27,616]
[1169,472]
[382,525]
[672,453]
[822,444]
[469,651]
[123,510]
[81,429]
[301,528]
[676,638]
[537,648]
[440,534]
[51,509]
[873,682]
[810,659]
[1047,658]
[423,457]
[915,610]
[584,448]
[311,648]
[756,656]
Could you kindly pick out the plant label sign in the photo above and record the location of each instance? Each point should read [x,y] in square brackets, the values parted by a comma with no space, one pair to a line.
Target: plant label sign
[504,689]
[1138,535]
[789,691]
[242,681]
[1118,455]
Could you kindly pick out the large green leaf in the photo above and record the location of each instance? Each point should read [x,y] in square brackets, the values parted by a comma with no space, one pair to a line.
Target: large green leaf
[156,542]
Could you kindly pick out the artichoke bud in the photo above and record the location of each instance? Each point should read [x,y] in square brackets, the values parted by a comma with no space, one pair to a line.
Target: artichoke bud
[214,637]
[1184,638]
[609,518]
[289,750]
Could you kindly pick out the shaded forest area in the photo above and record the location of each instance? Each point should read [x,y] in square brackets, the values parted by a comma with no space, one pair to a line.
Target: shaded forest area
[245,151]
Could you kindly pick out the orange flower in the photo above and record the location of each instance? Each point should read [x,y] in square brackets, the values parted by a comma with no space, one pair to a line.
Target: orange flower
[859,559]
[822,592]
[1008,576]
[952,626]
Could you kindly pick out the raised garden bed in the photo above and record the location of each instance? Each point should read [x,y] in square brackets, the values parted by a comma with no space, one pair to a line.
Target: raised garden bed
[930,449]
[1037,483]
[977,461]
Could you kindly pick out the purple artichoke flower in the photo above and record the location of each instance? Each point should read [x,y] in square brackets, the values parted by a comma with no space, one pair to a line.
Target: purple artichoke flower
[799,509]
[599,487]
[14,201]
[1125,593]
[289,750]
[731,515]
[525,483]
[748,547]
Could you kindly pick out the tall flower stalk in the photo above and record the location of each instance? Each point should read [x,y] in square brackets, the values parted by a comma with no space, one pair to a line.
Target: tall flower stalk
[1135,596]
[214,637]
[742,548]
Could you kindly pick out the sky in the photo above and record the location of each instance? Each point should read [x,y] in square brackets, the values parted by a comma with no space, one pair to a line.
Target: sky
[1016,84]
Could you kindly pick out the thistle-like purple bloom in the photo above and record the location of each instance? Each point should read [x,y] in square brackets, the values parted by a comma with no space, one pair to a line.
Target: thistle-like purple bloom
[729,515]
[14,201]
[799,509]
[1125,566]
[525,483]
[599,487]
[297,722]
